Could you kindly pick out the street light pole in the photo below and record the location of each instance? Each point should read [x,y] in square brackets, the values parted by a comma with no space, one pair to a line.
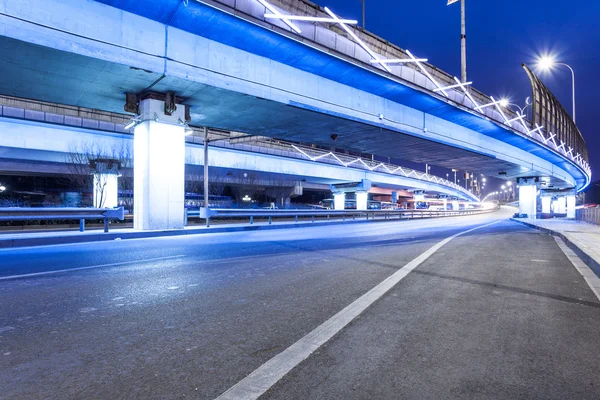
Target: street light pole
[363,14]
[547,63]
[573,86]
[463,41]
[463,38]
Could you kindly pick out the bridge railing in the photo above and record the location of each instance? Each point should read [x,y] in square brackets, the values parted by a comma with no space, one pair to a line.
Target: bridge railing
[47,214]
[270,214]
[591,215]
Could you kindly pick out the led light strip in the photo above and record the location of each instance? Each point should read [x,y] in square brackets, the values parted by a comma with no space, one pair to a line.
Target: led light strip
[357,39]
[459,85]
[310,19]
[410,173]
[427,74]
[282,17]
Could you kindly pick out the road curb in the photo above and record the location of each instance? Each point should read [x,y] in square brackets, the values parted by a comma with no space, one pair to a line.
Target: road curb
[586,258]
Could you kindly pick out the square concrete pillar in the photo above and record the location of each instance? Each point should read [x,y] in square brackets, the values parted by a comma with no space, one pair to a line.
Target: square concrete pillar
[362,201]
[528,200]
[339,201]
[560,205]
[571,204]
[159,168]
[546,201]
[106,190]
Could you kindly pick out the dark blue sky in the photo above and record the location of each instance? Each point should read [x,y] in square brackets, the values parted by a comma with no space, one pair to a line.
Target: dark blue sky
[501,34]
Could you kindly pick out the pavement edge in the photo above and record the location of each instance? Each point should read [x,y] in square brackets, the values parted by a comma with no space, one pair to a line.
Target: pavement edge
[585,257]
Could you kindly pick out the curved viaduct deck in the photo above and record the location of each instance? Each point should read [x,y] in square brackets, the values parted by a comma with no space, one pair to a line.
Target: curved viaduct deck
[239,73]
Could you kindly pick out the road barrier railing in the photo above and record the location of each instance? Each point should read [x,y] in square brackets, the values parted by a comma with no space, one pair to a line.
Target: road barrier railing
[213,213]
[47,214]
[591,215]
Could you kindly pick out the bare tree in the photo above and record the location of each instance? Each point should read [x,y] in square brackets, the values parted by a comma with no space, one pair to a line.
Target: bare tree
[90,165]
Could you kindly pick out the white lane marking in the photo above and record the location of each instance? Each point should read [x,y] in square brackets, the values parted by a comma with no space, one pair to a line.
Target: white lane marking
[259,381]
[590,276]
[58,271]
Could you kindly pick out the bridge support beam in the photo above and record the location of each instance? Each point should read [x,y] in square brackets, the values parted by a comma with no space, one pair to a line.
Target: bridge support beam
[159,164]
[528,200]
[571,204]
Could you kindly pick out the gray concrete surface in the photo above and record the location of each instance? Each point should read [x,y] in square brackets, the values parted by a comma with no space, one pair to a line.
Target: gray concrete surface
[190,316]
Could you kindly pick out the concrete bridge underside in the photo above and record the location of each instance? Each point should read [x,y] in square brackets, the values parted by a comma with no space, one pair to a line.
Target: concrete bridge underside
[96,53]
[28,147]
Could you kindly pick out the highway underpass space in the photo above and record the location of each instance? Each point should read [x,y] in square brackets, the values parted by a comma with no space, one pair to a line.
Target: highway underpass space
[496,312]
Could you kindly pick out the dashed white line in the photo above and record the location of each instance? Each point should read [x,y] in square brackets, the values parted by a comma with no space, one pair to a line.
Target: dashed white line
[58,271]
[259,381]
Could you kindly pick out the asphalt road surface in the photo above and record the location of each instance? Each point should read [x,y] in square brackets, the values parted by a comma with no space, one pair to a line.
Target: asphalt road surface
[495,313]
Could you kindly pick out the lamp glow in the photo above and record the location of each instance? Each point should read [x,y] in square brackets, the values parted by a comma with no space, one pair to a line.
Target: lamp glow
[546,62]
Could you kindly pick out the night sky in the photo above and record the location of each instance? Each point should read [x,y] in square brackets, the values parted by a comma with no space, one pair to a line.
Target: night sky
[501,34]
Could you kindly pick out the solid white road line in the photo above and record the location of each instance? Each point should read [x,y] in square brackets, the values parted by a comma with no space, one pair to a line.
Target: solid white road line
[58,271]
[259,381]
[589,276]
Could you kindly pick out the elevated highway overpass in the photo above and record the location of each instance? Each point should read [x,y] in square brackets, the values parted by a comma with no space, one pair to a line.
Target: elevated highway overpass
[231,66]
[42,142]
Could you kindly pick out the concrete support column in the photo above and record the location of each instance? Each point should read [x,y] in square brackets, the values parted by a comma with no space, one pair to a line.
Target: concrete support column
[361,201]
[571,204]
[560,205]
[445,204]
[339,201]
[455,206]
[159,165]
[546,201]
[528,200]
[106,190]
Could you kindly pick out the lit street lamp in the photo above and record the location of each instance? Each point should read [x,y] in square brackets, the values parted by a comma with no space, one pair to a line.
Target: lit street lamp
[506,103]
[546,63]
[2,188]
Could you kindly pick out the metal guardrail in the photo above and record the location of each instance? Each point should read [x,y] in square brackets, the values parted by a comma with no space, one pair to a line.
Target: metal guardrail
[81,214]
[208,214]
[591,215]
